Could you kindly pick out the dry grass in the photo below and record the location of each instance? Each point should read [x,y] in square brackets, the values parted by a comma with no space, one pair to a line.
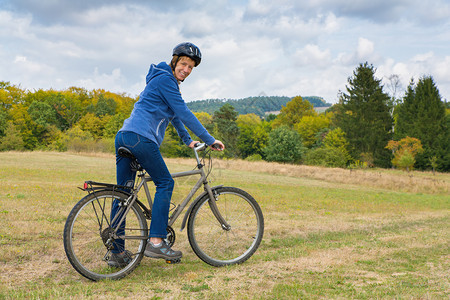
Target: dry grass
[330,233]
[416,182]
[396,180]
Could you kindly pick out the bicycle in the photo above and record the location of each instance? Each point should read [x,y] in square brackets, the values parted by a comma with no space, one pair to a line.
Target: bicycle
[225,225]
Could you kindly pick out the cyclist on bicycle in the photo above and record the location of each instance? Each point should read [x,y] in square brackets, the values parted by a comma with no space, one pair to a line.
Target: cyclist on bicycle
[143,132]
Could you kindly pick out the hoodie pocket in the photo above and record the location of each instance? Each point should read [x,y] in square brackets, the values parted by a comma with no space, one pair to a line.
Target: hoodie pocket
[159,125]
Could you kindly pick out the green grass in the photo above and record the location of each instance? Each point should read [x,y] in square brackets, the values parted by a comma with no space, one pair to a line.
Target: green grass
[324,238]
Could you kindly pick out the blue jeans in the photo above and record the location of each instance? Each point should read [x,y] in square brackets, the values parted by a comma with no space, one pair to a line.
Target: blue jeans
[148,155]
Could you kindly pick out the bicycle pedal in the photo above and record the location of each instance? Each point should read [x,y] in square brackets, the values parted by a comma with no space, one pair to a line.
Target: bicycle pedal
[173,261]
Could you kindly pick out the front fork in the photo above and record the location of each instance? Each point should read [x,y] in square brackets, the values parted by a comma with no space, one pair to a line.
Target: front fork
[215,210]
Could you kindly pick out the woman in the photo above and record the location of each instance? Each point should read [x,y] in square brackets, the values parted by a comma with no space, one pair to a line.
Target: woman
[143,132]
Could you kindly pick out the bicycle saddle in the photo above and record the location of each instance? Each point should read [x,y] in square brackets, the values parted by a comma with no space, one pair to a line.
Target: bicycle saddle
[125,152]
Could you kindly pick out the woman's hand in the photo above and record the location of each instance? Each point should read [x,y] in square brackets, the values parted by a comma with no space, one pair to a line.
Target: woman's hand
[192,144]
[218,145]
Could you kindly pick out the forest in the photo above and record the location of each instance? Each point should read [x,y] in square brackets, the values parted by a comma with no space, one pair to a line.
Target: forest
[261,105]
[368,127]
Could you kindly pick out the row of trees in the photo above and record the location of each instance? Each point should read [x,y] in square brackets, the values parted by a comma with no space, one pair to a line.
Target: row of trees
[366,128]
[252,105]
[371,118]
[74,119]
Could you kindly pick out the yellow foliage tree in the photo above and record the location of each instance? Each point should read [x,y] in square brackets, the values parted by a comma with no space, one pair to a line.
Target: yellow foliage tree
[293,112]
[309,126]
[204,118]
[248,120]
[405,152]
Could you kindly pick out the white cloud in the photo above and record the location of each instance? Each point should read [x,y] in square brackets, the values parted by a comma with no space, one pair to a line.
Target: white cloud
[97,80]
[20,59]
[365,49]
[423,57]
[424,64]
[312,55]
[255,7]
[282,48]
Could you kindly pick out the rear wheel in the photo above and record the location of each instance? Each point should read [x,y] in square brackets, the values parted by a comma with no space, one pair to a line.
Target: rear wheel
[89,239]
[219,246]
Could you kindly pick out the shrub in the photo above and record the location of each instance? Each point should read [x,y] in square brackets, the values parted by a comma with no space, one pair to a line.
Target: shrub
[254,157]
[327,157]
[12,139]
[285,145]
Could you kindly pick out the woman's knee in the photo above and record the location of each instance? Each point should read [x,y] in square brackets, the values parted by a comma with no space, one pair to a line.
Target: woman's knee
[166,183]
[170,184]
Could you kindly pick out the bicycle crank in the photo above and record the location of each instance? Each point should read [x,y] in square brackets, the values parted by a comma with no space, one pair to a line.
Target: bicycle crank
[170,239]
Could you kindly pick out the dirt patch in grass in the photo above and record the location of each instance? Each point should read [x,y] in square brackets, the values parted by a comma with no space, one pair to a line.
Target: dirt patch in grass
[41,265]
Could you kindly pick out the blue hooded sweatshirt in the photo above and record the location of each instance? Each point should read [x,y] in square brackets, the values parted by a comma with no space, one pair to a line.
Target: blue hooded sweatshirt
[160,103]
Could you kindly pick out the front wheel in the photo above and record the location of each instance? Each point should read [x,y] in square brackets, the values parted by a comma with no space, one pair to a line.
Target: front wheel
[220,245]
[89,240]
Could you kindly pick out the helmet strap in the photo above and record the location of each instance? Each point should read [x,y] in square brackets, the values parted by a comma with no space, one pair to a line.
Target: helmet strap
[173,64]
[174,61]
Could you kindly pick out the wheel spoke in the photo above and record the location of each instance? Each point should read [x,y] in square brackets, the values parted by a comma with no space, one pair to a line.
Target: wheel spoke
[88,228]
[218,246]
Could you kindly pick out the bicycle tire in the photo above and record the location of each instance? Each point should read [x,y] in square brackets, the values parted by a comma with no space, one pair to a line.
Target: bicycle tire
[83,242]
[218,246]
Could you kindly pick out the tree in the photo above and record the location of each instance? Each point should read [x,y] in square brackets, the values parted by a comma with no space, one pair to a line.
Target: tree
[25,125]
[12,139]
[309,126]
[105,106]
[9,95]
[206,120]
[394,86]
[113,125]
[253,135]
[92,124]
[336,139]
[3,122]
[293,112]
[226,129]
[284,145]
[333,152]
[433,163]
[405,151]
[422,115]
[364,115]
[42,113]
[69,107]
[173,146]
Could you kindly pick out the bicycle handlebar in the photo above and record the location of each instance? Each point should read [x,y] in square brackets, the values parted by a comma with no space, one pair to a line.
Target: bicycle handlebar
[199,147]
[202,146]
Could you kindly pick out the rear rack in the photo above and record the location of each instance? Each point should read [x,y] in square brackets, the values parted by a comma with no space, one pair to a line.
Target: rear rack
[92,186]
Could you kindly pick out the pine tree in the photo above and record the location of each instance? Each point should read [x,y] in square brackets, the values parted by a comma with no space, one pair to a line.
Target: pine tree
[226,129]
[364,116]
[422,116]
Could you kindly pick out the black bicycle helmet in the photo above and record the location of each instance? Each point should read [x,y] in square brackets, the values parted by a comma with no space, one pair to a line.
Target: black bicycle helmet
[189,50]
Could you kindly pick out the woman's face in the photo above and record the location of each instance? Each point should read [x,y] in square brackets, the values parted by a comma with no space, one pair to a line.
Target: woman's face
[183,68]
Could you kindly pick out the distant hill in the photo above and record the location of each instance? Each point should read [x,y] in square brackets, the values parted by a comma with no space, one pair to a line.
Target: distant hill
[258,105]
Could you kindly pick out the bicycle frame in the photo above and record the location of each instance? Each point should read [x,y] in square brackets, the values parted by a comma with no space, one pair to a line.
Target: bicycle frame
[179,209]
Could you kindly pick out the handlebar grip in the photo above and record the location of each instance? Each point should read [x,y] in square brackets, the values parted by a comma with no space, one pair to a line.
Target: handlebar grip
[216,146]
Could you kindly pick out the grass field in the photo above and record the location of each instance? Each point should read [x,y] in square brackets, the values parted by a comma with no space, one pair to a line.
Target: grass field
[330,233]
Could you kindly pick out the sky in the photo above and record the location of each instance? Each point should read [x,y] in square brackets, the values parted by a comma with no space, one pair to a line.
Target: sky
[249,48]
